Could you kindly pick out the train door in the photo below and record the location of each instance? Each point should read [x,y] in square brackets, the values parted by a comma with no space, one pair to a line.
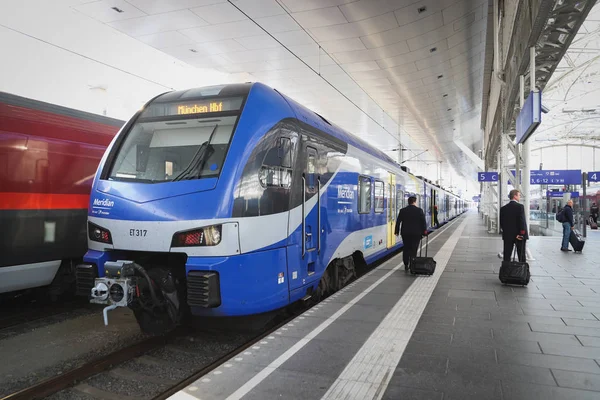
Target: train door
[303,256]
[311,210]
[391,210]
[431,208]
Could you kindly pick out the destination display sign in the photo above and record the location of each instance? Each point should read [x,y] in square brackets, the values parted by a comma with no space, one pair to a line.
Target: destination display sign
[555,177]
[565,176]
[193,107]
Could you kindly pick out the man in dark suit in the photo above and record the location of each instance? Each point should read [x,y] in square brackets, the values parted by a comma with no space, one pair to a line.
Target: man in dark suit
[514,227]
[414,227]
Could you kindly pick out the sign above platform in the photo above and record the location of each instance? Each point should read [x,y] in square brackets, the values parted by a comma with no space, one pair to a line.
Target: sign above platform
[555,177]
[561,194]
[558,176]
[593,176]
[529,117]
[487,177]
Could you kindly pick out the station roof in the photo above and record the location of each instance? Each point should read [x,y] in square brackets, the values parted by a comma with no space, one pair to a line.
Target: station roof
[572,94]
[386,70]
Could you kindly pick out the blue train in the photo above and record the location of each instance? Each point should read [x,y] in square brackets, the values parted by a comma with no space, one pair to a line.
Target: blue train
[235,200]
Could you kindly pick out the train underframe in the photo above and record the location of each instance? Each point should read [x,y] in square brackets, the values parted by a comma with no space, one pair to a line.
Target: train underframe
[155,287]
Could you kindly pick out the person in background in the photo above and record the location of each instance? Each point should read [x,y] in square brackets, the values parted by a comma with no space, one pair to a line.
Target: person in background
[414,227]
[568,225]
[435,217]
[514,227]
[594,212]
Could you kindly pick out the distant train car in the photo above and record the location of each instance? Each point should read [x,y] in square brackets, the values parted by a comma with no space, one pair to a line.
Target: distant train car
[48,157]
[236,200]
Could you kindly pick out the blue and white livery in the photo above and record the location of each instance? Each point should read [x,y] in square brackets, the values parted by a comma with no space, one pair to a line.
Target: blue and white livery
[236,200]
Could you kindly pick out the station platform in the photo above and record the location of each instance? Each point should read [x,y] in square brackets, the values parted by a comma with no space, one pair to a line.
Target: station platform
[459,334]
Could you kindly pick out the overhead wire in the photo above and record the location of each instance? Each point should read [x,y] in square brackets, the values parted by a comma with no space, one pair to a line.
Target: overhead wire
[284,8]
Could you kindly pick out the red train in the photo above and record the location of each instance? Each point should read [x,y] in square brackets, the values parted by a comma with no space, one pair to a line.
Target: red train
[48,157]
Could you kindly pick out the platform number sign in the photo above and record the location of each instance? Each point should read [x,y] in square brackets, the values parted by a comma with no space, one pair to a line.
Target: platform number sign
[487,177]
[594,176]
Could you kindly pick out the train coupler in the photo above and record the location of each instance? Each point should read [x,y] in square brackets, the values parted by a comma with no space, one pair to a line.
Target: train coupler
[116,288]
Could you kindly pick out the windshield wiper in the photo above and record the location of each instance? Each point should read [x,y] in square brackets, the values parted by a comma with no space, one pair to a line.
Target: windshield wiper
[199,158]
[127,179]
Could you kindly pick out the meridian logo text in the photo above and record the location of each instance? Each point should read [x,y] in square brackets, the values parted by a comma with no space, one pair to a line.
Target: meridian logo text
[345,192]
[104,203]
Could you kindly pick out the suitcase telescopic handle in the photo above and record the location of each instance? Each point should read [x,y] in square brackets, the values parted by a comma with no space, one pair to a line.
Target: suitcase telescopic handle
[426,246]
[515,249]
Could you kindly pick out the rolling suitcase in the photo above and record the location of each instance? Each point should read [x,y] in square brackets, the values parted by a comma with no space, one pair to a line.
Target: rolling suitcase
[423,265]
[591,222]
[514,272]
[576,240]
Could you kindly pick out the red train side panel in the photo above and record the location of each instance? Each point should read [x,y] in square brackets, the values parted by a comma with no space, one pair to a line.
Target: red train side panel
[48,156]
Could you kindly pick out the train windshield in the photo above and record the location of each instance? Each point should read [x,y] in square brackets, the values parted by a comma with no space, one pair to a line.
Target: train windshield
[166,149]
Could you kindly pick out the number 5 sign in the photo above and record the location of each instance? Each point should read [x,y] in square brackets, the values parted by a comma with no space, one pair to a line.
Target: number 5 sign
[487,177]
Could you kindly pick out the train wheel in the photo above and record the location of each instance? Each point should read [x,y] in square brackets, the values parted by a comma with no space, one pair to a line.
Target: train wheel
[154,323]
[324,287]
[161,318]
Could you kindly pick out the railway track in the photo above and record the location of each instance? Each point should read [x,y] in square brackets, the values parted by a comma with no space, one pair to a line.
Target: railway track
[143,362]
[14,315]
[156,367]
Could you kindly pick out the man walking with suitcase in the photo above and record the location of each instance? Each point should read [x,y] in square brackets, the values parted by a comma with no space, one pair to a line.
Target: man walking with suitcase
[568,225]
[414,227]
[514,227]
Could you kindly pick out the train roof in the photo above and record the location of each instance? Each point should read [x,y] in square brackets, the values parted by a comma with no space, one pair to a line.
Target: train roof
[309,116]
[19,101]
[243,89]
[338,132]
[227,90]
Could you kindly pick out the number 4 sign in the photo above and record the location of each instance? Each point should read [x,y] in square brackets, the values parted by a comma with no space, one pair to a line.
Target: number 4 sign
[594,176]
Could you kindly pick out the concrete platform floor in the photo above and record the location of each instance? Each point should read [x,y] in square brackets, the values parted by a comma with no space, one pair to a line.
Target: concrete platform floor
[459,334]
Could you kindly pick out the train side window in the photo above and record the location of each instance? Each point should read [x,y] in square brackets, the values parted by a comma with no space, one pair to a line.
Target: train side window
[276,169]
[311,169]
[285,152]
[399,200]
[269,176]
[379,195]
[364,195]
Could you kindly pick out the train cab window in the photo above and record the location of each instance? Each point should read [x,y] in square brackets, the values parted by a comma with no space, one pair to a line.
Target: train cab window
[196,148]
[364,195]
[379,196]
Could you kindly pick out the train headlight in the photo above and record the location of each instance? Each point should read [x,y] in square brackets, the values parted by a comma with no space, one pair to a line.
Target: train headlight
[206,236]
[214,234]
[99,234]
